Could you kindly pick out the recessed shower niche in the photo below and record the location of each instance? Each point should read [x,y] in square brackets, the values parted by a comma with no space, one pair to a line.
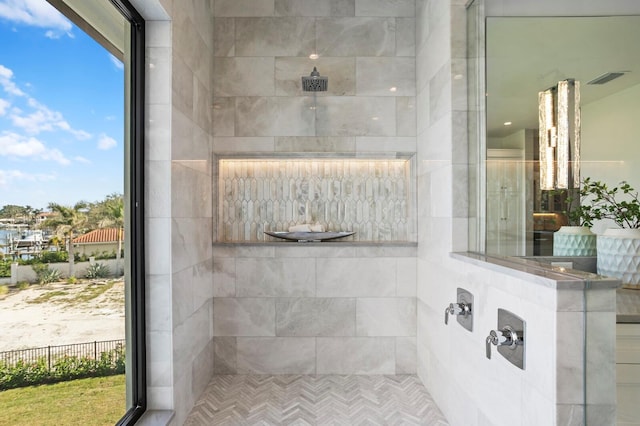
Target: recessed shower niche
[373,196]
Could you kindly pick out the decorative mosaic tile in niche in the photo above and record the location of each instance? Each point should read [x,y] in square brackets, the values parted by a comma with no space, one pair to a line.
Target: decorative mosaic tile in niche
[369,196]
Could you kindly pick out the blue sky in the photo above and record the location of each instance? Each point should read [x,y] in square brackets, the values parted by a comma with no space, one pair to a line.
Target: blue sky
[61,110]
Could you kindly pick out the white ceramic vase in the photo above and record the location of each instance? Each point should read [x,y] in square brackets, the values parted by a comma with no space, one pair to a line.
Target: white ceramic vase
[619,255]
[574,241]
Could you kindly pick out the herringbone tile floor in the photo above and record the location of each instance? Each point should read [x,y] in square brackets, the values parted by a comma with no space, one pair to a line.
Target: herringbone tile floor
[315,400]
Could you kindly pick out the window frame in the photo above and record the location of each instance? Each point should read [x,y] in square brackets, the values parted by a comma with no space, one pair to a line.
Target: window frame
[136,214]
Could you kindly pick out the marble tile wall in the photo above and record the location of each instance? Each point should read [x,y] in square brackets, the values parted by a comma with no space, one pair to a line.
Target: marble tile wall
[179,263]
[366,49]
[311,309]
[549,390]
[295,309]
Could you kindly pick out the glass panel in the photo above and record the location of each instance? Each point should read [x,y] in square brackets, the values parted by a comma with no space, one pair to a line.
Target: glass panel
[563,91]
[65,107]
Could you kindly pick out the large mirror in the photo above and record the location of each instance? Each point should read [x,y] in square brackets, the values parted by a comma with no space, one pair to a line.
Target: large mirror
[524,58]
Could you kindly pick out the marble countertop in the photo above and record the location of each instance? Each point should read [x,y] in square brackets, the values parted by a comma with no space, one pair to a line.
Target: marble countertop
[628,306]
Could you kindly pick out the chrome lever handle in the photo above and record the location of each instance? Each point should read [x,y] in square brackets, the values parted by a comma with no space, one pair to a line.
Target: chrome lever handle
[452,309]
[455,309]
[505,337]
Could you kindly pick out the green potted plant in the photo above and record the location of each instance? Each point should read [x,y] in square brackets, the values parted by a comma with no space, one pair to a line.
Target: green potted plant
[618,248]
[576,238]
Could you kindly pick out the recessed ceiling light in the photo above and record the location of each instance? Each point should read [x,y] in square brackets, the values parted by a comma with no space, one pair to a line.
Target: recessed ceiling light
[507,123]
[393,89]
[375,118]
[313,56]
[458,77]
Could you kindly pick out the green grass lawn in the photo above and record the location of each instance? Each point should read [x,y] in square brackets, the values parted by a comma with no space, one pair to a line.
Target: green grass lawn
[95,401]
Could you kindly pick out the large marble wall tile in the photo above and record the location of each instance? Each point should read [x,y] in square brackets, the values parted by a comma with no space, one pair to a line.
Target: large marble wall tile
[601,358]
[158,303]
[243,7]
[356,355]
[407,277]
[274,116]
[275,277]
[159,358]
[244,76]
[202,369]
[196,202]
[406,116]
[356,36]
[275,37]
[386,317]
[191,242]
[202,285]
[315,8]
[224,277]
[158,74]
[356,116]
[315,317]
[158,245]
[315,144]
[225,355]
[385,144]
[405,37]
[340,71]
[157,128]
[440,94]
[244,317]
[406,353]
[158,199]
[385,7]
[223,116]
[276,355]
[386,76]
[356,277]
[245,144]
[224,42]
[182,86]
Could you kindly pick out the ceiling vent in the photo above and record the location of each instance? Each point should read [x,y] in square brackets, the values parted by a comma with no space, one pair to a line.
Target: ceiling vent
[607,77]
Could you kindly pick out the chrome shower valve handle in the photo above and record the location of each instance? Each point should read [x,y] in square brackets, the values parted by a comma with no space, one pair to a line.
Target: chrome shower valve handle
[456,309]
[505,337]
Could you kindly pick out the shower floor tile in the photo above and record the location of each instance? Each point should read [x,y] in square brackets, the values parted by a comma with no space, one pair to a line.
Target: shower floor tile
[315,400]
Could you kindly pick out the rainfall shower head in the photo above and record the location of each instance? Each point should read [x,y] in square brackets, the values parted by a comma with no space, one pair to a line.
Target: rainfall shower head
[315,82]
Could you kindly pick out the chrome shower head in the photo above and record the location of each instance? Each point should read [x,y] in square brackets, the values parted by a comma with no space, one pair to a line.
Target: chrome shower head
[315,82]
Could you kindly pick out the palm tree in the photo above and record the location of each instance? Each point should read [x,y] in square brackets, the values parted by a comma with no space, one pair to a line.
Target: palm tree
[112,215]
[67,222]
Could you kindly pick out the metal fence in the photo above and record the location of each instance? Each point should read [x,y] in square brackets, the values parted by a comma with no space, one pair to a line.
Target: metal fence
[89,350]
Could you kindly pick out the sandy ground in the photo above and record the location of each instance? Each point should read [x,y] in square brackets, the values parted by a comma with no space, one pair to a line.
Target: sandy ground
[53,314]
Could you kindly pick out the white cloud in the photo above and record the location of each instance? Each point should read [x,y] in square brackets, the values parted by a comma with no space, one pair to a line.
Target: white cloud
[105,142]
[36,13]
[6,77]
[4,105]
[9,176]
[15,145]
[43,119]
[83,160]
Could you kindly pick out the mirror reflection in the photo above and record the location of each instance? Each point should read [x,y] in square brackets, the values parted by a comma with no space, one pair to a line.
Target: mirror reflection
[535,67]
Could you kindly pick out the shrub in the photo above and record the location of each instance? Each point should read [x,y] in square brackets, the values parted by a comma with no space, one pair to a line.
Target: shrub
[63,368]
[47,257]
[98,270]
[5,268]
[4,289]
[22,285]
[72,280]
[45,274]
[105,255]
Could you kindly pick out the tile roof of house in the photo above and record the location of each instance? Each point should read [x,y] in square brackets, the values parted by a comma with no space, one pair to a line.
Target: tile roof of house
[104,235]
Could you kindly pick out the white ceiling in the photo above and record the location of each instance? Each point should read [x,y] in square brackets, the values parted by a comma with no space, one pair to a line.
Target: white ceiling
[528,55]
